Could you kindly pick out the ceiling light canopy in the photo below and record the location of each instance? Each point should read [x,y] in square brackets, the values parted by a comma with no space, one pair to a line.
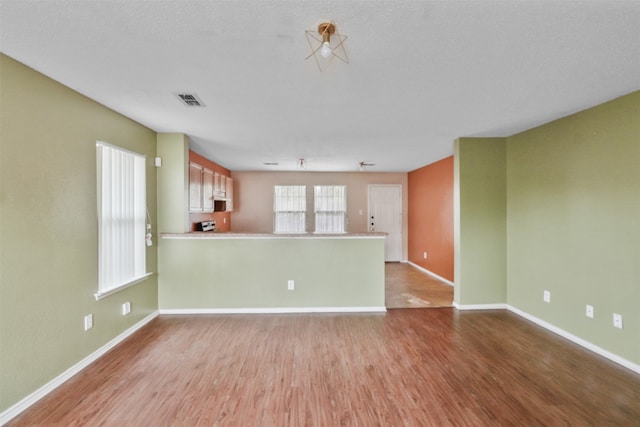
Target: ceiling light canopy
[329,44]
[325,30]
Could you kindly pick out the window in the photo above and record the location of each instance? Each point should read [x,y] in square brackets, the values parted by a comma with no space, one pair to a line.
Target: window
[289,208]
[121,218]
[330,203]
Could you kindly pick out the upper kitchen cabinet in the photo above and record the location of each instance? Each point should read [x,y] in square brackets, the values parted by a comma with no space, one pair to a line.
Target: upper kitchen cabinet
[201,184]
[209,191]
[229,193]
[195,187]
[220,186]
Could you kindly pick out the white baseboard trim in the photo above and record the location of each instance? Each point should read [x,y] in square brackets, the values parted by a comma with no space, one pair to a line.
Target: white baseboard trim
[462,307]
[586,344]
[430,273]
[29,400]
[273,310]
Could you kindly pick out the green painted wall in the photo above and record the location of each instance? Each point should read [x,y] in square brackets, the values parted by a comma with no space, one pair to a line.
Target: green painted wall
[48,229]
[253,273]
[173,183]
[480,221]
[573,202]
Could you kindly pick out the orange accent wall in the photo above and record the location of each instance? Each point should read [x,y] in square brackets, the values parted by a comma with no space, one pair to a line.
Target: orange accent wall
[219,217]
[430,217]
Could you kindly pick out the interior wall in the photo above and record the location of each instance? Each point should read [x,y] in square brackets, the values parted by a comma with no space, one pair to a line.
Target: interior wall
[49,230]
[573,201]
[253,197]
[430,217]
[480,218]
[223,219]
[173,184]
[245,273]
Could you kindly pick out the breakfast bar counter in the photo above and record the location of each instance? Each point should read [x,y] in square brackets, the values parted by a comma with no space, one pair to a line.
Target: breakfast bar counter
[227,272]
[233,235]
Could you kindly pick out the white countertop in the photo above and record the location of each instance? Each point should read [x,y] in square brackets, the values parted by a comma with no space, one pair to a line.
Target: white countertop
[232,235]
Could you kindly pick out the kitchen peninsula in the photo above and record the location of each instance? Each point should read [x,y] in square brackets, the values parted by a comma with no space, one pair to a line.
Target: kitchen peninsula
[212,272]
[209,272]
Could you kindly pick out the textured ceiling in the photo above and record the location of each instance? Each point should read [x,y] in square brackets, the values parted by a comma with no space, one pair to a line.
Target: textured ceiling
[420,73]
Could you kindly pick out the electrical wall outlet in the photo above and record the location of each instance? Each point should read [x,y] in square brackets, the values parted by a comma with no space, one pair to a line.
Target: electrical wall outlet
[126,308]
[88,322]
[589,311]
[546,296]
[291,285]
[425,255]
[617,320]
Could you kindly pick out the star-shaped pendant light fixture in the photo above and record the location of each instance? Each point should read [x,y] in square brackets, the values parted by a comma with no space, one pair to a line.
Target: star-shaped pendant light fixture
[328,43]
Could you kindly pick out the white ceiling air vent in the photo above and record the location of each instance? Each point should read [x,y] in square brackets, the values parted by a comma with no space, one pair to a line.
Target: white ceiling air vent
[190,100]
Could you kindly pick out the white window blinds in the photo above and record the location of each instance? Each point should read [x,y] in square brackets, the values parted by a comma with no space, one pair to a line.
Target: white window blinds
[121,217]
[289,208]
[330,203]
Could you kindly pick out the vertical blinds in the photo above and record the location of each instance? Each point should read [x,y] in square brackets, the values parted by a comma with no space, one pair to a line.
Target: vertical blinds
[121,216]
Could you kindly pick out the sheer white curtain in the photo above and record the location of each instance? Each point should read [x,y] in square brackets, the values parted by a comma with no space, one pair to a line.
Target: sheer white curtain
[330,203]
[289,208]
[121,216]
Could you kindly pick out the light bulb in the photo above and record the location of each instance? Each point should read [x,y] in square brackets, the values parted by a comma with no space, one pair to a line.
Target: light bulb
[326,51]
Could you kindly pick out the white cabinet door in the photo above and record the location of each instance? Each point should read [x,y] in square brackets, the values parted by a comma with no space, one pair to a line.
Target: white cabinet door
[229,192]
[216,185]
[207,190]
[195,187]
[219,186]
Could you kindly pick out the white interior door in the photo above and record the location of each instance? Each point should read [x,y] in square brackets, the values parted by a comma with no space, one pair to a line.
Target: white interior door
[385,215]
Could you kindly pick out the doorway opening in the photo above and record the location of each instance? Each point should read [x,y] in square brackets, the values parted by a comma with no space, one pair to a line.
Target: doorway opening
[407,287]
[385,215]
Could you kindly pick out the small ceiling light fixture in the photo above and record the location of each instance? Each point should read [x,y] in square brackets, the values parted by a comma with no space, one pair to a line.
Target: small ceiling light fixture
[301,164]
[324,44]
[362,166]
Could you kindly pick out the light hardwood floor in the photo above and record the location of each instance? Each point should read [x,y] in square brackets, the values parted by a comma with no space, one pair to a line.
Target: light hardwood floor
[408,287]
[408,367]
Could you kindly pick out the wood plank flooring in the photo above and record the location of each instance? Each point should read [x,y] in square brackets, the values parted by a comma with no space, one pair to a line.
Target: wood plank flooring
[408,287]
[408,367]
